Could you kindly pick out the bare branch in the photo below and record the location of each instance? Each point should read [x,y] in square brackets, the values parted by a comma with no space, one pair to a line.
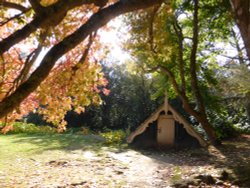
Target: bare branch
[242,15]
[189,38]
[151,28]
[85,53]
[172,79]
[14,17]
[29,62]
[19,35]
[56,12]
[36,6]
[100,3]
[233,57]
[182,95]
[238,48]
[12,5]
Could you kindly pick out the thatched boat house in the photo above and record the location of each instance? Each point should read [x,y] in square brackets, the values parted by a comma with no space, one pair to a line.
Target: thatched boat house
[166,128]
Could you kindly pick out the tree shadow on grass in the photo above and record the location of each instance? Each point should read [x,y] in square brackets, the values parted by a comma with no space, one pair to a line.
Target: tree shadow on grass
[235,156]
[232,155]
[66,142]
[180,157]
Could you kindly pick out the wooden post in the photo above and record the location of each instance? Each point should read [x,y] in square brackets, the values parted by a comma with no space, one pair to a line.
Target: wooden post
[166,103]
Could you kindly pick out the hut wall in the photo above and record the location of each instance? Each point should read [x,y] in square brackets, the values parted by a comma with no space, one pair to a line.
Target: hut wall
[148,139]
[183,139]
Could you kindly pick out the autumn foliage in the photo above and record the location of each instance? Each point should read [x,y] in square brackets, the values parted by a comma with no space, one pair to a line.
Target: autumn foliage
[72,84]
[50,54]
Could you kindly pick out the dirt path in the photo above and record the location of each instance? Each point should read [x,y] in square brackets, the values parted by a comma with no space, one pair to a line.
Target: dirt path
[88,169]
[142,170]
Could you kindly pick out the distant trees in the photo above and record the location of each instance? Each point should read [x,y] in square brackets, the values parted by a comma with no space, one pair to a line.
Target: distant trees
[233,79]
[128,104]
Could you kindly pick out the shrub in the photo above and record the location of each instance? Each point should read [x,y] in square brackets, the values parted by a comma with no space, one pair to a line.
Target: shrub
[226,130]
[85,130]
[29,128]
[114,137]
[223,125]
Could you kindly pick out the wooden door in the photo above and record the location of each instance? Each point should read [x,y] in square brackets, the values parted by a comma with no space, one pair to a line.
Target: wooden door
[166,131]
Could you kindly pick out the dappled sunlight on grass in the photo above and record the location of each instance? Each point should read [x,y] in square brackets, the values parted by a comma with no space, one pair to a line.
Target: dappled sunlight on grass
[40,143]
[236,158]
[88,155]
[70,160]
[52,160]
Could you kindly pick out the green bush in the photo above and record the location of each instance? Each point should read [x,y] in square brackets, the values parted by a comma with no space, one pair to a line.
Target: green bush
[226,130]
[114,137]
[223,125]
[242,129]
[29,128]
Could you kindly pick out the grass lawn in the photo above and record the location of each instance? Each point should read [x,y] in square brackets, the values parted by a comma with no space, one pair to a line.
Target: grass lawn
[68,160]
[24,158]
[16,147]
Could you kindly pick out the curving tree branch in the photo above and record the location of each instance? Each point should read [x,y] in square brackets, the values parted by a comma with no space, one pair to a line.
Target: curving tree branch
[242,15]
[14,17]
[95,22]
[35,4]
[12,5]
[55,12]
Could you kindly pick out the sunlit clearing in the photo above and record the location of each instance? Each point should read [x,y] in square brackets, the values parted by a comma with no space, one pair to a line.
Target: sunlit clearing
[88,154]
[219,154]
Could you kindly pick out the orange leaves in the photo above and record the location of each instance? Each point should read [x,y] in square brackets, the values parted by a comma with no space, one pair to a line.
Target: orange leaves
[6,129]
[71,22]
[70,85]
[79,110]
[11,65]
[106,91]
[65,89]
[47,2]
[27,106]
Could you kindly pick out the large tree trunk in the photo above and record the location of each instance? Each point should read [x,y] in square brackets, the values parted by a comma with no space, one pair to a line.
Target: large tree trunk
[247,106]
[201,116]
[208,128]
[202,119]
[241,10]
